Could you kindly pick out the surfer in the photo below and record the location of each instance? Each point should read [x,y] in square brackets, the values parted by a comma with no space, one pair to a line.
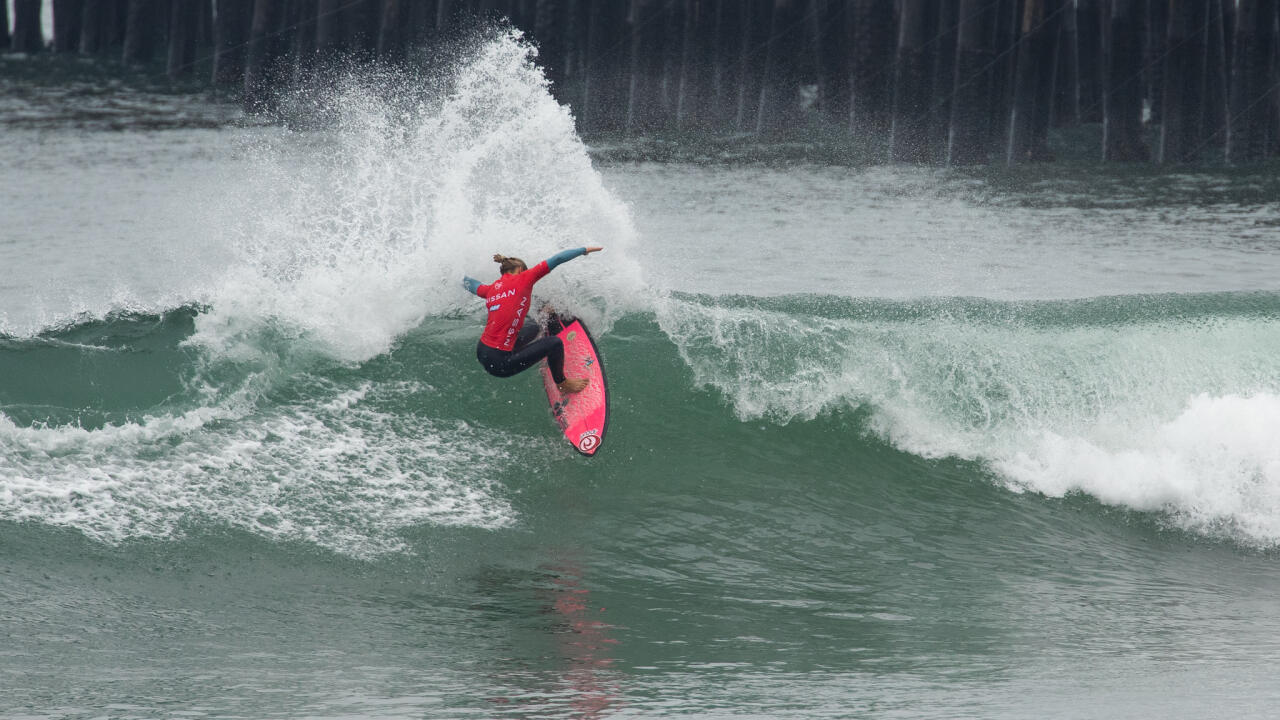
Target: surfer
[506,348]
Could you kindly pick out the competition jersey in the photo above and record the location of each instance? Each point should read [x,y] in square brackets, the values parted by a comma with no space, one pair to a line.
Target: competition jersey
[508,300]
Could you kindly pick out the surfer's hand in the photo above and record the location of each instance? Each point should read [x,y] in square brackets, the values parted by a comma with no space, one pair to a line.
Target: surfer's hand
[594,248]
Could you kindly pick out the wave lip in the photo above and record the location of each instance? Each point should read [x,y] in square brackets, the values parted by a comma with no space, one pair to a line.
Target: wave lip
[1162,404]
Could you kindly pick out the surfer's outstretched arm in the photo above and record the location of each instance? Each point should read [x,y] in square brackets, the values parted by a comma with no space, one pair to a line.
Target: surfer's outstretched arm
[473,285]
[566,255]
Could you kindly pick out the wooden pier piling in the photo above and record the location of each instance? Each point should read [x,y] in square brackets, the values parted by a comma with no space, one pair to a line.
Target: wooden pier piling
[959,82]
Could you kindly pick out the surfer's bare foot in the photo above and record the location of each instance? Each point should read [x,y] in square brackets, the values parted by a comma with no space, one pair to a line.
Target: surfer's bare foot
[573,385]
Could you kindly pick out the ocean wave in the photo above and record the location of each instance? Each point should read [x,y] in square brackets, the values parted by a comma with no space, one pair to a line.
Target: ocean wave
[1160,403]
[1163,405]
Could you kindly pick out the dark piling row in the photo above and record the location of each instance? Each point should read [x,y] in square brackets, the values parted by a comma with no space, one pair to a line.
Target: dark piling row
[931,81]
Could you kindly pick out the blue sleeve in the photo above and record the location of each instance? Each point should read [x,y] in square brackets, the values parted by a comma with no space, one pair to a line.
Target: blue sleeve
[471,284]
[564,256]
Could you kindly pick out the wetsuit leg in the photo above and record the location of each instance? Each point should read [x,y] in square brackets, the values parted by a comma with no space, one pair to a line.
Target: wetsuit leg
[528,334]
[506,364]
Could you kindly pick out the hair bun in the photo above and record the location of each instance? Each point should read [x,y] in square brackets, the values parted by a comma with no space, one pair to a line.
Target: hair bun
[498,258]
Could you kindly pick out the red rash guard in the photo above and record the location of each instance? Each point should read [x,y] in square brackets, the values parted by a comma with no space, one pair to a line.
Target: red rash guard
[508,300]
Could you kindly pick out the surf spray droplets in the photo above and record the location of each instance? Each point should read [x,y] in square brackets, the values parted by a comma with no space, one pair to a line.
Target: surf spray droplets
[358,232]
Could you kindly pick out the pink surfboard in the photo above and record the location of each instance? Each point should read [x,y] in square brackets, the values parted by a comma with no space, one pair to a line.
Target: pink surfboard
[582,416]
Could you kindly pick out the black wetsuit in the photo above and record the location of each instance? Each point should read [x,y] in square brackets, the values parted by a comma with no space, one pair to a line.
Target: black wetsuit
[529,349]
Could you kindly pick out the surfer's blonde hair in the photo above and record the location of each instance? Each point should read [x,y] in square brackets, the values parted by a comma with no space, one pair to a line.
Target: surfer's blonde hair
[509,264]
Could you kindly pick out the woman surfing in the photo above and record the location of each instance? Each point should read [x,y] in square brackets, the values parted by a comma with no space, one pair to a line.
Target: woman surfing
[506,347]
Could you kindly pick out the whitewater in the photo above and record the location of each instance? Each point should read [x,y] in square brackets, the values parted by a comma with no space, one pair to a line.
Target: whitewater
[900,441]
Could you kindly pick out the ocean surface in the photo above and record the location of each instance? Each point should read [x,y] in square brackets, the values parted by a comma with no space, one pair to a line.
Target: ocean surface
[886,442]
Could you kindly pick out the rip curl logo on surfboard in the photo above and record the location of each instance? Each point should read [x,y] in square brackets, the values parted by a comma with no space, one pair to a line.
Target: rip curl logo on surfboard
[589,440]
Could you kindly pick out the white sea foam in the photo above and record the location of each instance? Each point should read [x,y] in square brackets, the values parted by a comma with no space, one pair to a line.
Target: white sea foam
[1214,468]
[340,473]
[1179,417]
